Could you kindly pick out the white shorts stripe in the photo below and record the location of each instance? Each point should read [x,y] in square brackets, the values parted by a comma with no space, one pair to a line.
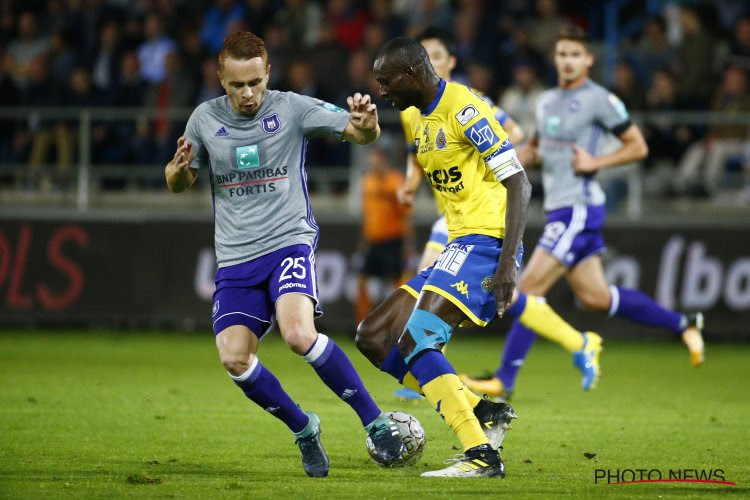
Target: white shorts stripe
[577,223]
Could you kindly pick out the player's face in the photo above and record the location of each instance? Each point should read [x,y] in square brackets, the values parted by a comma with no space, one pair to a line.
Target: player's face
[245,81]
[441,60]
[572,61]
[395,85]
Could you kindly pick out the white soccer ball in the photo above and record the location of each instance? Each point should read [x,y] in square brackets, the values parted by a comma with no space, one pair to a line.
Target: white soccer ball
[412,435]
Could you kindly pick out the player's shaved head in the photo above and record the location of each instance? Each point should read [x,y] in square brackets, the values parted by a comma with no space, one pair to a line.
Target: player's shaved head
[403,52]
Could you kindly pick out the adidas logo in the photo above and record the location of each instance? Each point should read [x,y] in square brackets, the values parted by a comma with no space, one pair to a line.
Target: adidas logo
[348,393]
[222,132]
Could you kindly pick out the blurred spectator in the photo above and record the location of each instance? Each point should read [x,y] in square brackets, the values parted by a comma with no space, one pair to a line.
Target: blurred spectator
[666,141]
[739,49]
[382,14]
[106,62]
[299,77]
[544,26]
[694,57]
[348,21]
[424,13]
[216,21]
[61,135]
[723,141]
[175,92]
[627,87]
[9,96]
[479,76]
[258,15]
[210,86]
[278,49]
[519,100]
[62,58]
[653,52]
[327,58]
[26,46]
[387,235]
[374,38]
[302,19]
[154,51]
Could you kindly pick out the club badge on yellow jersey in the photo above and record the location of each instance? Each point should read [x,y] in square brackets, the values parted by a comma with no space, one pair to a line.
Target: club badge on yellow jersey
[465,154]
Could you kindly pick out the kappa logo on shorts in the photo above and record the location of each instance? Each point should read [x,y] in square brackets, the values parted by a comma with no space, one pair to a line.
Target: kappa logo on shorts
[215,309]
[462,288]
[271,123]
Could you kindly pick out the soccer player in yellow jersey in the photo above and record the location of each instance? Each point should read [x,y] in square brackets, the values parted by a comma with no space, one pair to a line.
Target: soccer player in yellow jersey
[440,47]
[471,164]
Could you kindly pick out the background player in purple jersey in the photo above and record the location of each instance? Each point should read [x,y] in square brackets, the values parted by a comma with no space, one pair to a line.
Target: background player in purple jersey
[570,120]
[253,141]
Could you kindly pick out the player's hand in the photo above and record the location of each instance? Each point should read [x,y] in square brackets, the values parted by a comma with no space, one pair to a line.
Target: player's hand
[583,162]
[503,285]
[364,113]
[405,196]
[183,157]
[526,155]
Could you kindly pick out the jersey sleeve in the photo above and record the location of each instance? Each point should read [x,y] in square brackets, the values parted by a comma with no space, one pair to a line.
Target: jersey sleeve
[318,118]
[192,134]
[477,125]
[612,113]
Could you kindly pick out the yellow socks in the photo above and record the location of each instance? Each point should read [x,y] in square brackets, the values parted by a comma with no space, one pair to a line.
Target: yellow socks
[541,318]
[448,396]
[413,384]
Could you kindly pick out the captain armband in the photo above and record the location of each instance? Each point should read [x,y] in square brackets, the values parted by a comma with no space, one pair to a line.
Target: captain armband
[503,164]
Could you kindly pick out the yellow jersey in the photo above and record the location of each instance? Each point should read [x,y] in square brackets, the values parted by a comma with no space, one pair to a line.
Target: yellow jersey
[465,153]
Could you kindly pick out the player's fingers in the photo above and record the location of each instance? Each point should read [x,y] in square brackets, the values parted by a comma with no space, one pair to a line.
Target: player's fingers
[350,102]
[357,99]
[372,108]
[366,100]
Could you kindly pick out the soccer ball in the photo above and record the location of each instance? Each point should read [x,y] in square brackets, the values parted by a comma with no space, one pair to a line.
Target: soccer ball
[412,434]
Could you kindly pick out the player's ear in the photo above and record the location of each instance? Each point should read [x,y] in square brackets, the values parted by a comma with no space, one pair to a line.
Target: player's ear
[268,71]
[451,63]
[221,79]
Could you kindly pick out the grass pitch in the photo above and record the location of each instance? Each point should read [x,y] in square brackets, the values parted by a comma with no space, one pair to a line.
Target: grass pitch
[100,414]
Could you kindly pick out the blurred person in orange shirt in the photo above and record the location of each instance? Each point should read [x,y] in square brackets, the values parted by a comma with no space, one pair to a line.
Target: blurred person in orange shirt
[387,232]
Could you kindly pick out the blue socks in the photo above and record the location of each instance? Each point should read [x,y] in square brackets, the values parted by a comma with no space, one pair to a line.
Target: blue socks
[336,371]
[261,387]
[517,345]
[639,307]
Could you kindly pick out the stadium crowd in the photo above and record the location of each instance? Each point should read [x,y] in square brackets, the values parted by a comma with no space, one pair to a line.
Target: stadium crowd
[160,56]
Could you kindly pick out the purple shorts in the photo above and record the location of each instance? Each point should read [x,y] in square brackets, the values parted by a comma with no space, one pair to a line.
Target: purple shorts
[573,234]
[246,293]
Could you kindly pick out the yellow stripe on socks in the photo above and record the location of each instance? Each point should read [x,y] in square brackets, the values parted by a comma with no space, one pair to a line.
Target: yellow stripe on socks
[541,318]
[446,393]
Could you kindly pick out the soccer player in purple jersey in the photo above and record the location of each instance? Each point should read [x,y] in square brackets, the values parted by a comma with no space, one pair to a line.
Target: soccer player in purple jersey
[253,142]
[570,120]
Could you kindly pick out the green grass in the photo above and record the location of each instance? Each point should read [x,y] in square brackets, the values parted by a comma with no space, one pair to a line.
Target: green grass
[154,415]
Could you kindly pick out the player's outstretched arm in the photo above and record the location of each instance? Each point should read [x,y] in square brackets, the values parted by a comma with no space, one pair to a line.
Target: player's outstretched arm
[517,204]
[363,125]
[634,148]
[178,172]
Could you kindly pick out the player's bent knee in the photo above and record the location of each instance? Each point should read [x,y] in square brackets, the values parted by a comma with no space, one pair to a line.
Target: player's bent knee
[367,343]
[424,331]
[299,340]
[594,302]
[236,363]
